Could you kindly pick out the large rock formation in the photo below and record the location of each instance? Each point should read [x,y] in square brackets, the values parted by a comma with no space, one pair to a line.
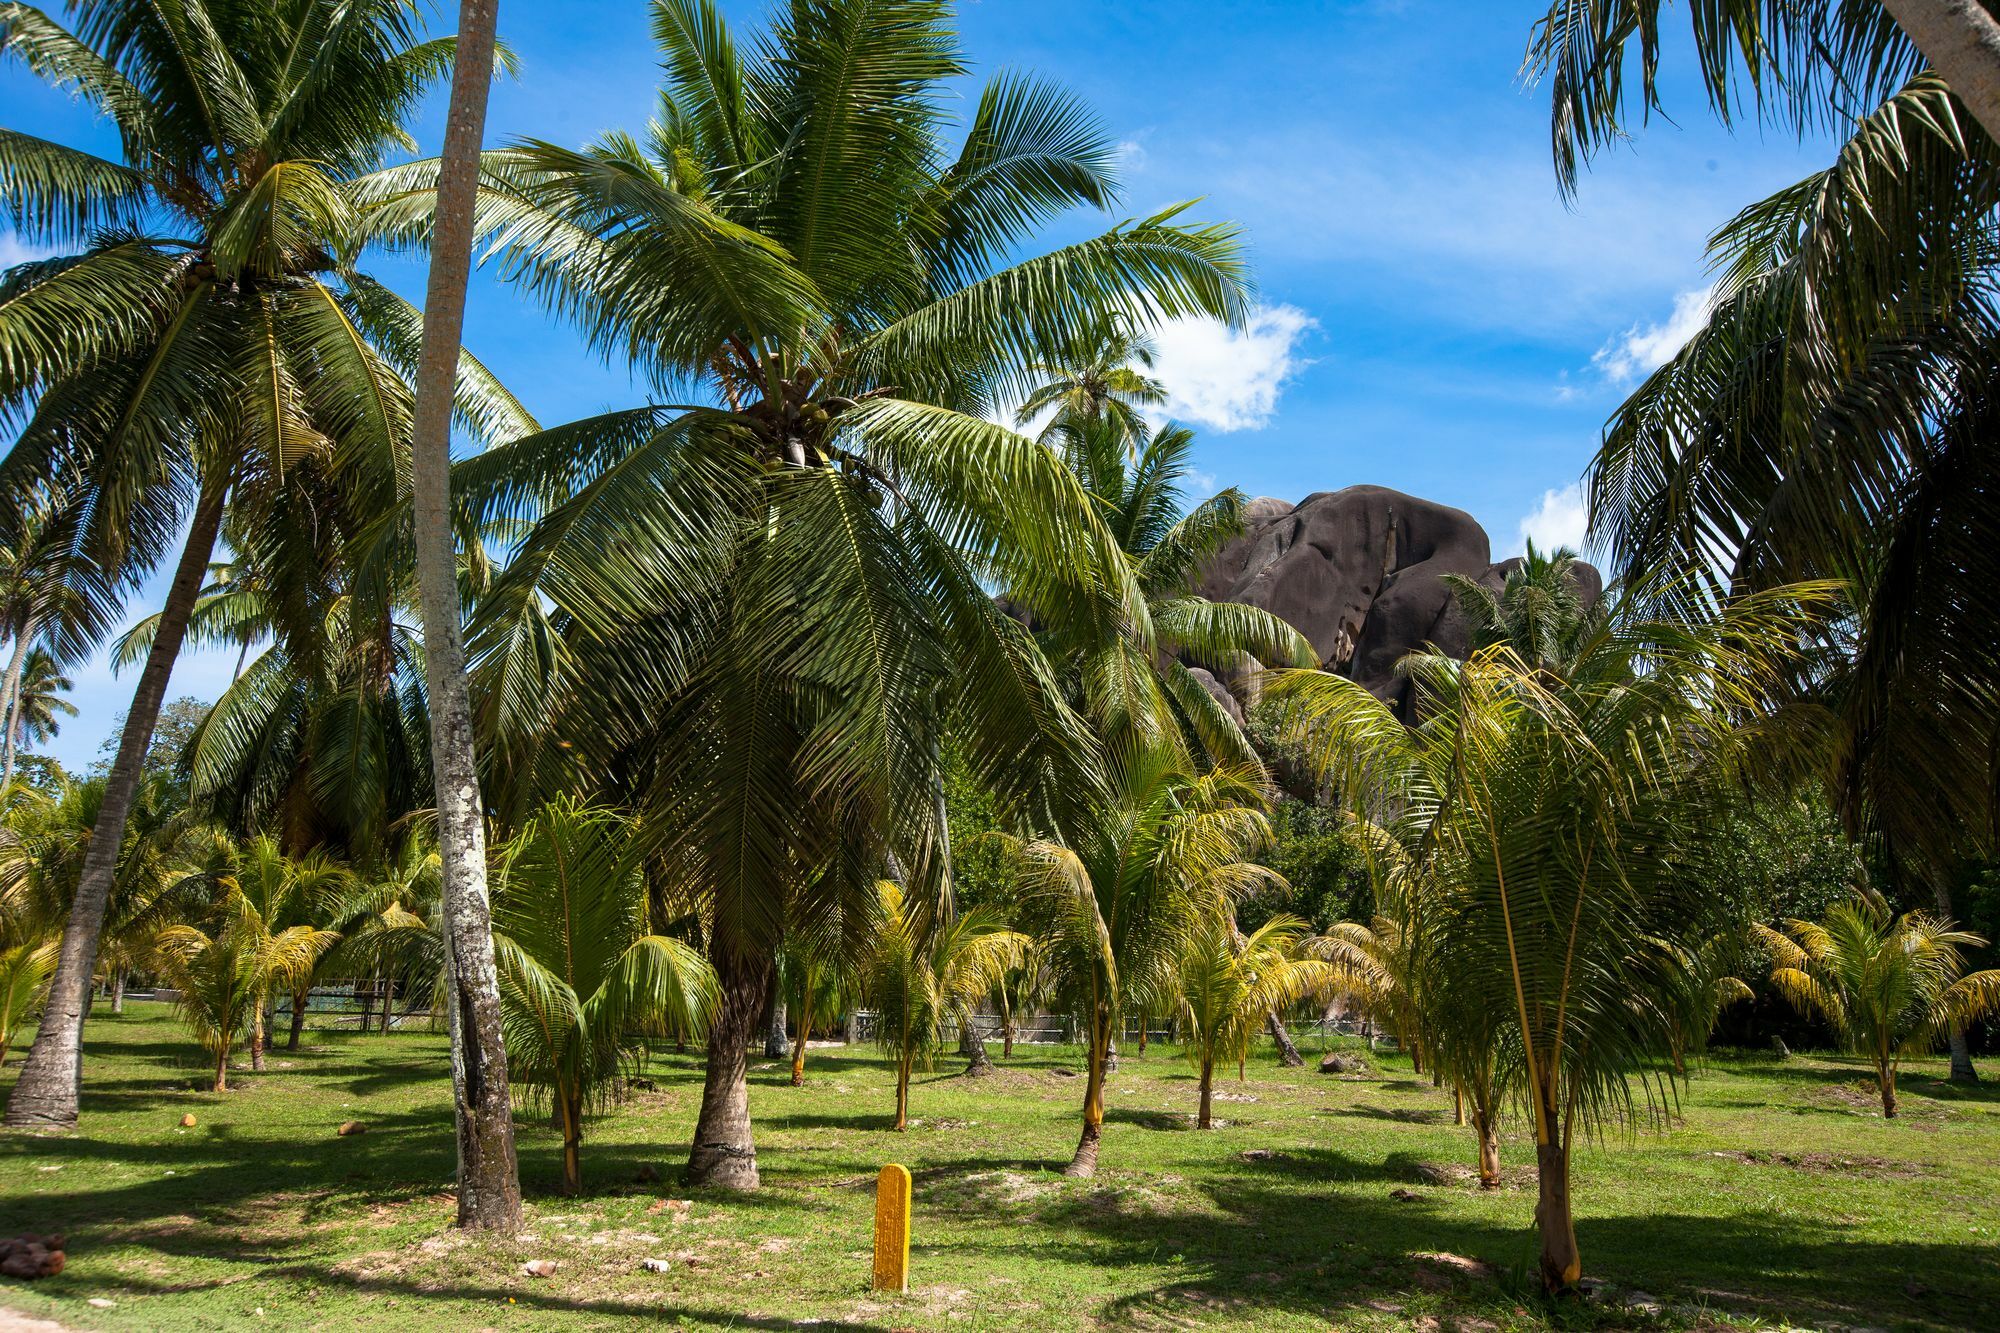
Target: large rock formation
[1359,573]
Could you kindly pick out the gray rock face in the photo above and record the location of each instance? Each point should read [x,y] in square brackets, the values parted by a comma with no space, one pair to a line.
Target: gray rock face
[1359,572]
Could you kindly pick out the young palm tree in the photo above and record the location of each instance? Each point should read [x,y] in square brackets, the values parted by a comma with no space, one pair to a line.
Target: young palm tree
[38,701]
[1230,983]
[1383,977]
[25,966]
[52,595]
[1106,381]
[1559,818]
[1888,987]
[205,343]
[926,971]
[754,614]
[580,967]
[1123,900]
[1541,609]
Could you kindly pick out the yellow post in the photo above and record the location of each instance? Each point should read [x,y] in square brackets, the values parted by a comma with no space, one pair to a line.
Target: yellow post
[892,1229]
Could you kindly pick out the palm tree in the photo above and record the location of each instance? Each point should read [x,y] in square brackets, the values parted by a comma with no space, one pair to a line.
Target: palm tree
[1230,983]
[1830,418]
[38,701]
[1122,901]
[753,616]
[208,344]
[25,966]
[1541,609]
[50,594]
[1888,987]
[927,971]
[580,967]
[818,984]
[1106,380]
[1382,968]
[1559,818]
[1798,64]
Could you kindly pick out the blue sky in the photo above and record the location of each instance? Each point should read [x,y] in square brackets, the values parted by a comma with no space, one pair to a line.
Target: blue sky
[1434,317]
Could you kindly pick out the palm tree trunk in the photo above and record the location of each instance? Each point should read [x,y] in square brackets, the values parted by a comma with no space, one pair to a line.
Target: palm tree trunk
[775,1044]
[1288,1052]
[222,1070]
[799,1046]
[1561,1264]
[1885,1079]
[299,1000]
[388,1002]
[257,1037]
[10,715]
[904,1060]
[52,1076]
[569,1105]
[980,1063]
[1206,1119]
[1084,1163]
[724,1154]
[1006,1025]
[1961,40]
[489,1187]
[1487,1126]
[1142,1036]
[118,991]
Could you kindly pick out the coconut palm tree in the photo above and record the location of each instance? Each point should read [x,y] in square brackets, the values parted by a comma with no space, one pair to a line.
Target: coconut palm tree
[1888,987]
[1119,904]
[927,971]
[1542,609]
[580,966]
[752,612]
[204,342]
[1106,380]
[1230,983]
[1383,977]
[52,595]
[1829,419]
[38,701]
[1559,817]
[25,966]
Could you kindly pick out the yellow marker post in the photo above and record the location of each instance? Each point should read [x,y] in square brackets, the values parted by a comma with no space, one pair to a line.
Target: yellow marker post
[892,1229]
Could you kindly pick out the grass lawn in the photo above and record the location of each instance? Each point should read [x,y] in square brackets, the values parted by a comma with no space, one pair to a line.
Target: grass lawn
[1780,1197]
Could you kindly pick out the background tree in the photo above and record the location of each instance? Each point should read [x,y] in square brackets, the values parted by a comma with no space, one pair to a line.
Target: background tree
[1230,983]
[1889,987]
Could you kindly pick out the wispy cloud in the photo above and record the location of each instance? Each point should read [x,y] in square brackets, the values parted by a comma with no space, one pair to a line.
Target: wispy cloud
[1643,349]
[1229,379]
[1561,519]
[14,250]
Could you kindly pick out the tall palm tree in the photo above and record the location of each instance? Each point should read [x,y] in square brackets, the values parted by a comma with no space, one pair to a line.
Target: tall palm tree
[1230,983]
[1120,903]
[926,971]
[752,612]
[52,595]
[1888,987]
[580,966]
[1830,418]
[1559,819]
[206,343]
[1542,609]
[38,702]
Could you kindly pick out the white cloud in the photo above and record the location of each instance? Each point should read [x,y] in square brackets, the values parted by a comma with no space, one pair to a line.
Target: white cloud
[1131,155]
[14,250]
[1640,351]
[1559,520]
[1229,379]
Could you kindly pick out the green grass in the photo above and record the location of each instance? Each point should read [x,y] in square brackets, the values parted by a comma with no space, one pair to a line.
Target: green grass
[1780,1196]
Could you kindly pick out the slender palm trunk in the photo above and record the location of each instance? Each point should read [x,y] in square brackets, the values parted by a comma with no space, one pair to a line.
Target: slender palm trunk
[1142,1036]
[1885,1079]
[489,1187]
[1084,1163]
[388,1002]
[257,1037]
[724,1155]
[904,1061]
[10,715]
[979,1062]
[222,1070]
[569,1109]
[1006,1025]
[1206,1119]
[1961,40]
[118,991]
[52,1076]
[799,1046]
[775,1044]
[299,1000]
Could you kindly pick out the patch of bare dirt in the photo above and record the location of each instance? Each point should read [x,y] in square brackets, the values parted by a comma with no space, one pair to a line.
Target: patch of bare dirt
[1842,1164]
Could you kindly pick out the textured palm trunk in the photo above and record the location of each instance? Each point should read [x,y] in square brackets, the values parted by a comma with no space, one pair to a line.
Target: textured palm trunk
[118,991]
[52,1076]
[388,1004]
[1885,1079]
[569,1108]
[1206,1118]
[222,1071]
[1288,1051]
[1961,40]
[299,999]
[903,1063]
[489,1187]
[1006,1026]
[1486,1125]
[1084,1163]
[10,715]
[257,1038]
[774,1036]
[724,1154]
[978,1062]
[1561,1264]
[799,1046]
